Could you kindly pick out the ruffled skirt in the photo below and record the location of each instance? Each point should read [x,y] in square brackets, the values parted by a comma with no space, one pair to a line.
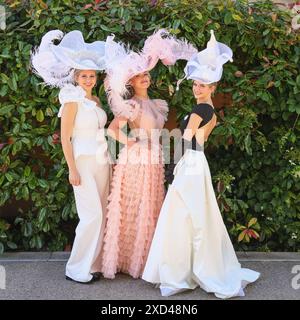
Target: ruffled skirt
[136,197]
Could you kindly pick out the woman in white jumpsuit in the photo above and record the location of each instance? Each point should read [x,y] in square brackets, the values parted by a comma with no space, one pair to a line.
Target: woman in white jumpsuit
[83,140]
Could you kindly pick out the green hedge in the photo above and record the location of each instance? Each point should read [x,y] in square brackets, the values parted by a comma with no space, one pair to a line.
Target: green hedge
[253,154]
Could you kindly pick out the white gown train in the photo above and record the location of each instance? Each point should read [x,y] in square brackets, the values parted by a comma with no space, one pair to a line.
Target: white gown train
[191,245]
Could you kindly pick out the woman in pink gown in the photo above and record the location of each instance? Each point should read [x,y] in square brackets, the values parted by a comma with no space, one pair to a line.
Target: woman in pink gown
[137,186]
[137,189]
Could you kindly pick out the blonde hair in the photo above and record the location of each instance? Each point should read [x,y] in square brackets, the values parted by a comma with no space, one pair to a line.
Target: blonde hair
[214,84]
[76,73]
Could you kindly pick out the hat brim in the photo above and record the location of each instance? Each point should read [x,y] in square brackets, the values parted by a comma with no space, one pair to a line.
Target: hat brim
[83,60]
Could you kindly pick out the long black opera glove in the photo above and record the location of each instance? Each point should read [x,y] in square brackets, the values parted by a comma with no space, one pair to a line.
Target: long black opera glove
[179,150]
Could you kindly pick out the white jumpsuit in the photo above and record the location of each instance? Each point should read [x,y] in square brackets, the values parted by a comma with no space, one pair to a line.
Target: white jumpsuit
[92,162]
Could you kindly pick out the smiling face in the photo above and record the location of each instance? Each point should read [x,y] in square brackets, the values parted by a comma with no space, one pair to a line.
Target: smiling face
[141,81]
[86,79]
[203,91]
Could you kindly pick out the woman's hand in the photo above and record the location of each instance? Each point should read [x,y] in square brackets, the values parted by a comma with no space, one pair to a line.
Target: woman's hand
[130,143]
[74,178]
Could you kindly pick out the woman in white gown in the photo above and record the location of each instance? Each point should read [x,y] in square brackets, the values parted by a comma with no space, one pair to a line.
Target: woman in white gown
[191,245]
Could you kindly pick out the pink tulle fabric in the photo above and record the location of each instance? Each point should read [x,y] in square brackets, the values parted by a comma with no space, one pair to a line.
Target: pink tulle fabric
[137,194]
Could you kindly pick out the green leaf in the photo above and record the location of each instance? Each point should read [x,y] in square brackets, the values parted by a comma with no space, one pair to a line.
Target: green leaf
[3,90]
[32,184]
[9,177]
[4,226]
[26,141]
[6,109]
[12,84]
[241,236]
[105,28]
[1,248]
[247,238]
[36,242]
[17,146]
[252,222]
[43,183]
[128,26]
[27,229]
[11,245]
[25,193]
[40,116]
[237,17]
[121,12]
[227,18]
[42,215]
[27,171]
[199,15]
[60,172]
[18,220]
[248,144]
[80,19]
[46,227]
[66,212]
[2,177]
[138,26]
[4,78]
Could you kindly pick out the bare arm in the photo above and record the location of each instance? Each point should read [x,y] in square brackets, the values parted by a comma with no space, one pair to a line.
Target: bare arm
[192,129]
[67,124]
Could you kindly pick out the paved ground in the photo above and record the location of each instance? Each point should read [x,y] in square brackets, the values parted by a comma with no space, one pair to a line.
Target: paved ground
[41,276]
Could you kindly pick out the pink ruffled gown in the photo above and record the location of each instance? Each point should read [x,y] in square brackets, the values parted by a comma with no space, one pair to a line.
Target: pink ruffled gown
[137,193]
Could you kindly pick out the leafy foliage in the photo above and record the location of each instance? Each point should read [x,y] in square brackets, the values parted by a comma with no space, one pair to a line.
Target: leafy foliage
[253,152]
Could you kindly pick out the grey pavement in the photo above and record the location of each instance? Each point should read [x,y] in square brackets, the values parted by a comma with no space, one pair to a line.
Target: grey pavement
[40,276]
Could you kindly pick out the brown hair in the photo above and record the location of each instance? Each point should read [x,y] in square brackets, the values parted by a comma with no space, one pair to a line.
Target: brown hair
[130,92]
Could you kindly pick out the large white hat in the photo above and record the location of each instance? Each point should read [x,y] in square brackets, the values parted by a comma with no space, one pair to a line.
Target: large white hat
[56,63]
[207,65]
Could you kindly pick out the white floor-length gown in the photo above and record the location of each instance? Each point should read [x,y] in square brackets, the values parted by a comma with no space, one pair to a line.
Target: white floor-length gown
[191,246]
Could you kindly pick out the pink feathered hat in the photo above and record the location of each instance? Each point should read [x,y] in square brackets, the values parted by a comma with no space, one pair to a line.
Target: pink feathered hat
[122,64]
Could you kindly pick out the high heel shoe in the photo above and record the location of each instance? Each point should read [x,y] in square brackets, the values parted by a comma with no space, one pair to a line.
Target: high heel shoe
[96,275]
[94,278]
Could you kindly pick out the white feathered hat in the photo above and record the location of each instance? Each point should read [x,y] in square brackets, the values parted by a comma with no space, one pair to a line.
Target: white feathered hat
[56,63]
[207,65]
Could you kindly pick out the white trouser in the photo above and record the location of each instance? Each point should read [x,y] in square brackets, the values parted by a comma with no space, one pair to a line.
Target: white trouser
[91,201]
